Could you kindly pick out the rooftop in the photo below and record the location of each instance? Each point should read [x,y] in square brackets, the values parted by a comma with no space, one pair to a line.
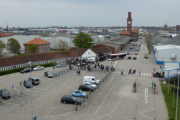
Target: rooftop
[37,41]
[163,47]
[125,32]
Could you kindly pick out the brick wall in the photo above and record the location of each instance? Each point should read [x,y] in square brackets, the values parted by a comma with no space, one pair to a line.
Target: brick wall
[44,48]
[101,46]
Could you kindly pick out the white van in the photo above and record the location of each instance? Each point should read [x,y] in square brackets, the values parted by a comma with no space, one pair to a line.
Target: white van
[91,79]
[92,59]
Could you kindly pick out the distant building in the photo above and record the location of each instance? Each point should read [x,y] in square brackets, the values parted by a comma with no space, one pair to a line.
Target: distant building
[129,32]
[178,28]
[43,46]
[165,25]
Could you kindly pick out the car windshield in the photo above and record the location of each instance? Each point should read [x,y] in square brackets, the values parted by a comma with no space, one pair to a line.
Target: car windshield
[49,73]
[28,82]
[5,92]
[74,98]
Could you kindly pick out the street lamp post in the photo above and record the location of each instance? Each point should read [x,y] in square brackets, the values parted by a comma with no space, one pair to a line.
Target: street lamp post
[177,96]
[91,51]
[31,93]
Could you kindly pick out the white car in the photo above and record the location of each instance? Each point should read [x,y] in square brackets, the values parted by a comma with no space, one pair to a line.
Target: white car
[88,83]
[38,68]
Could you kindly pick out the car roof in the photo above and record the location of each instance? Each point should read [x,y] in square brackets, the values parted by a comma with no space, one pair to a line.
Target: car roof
[34,77]
[4,90]
[66,96]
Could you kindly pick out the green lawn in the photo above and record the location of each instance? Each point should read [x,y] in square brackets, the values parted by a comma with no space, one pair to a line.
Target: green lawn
[169,101]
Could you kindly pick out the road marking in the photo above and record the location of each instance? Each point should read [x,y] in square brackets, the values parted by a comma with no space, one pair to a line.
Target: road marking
[116,105]
[144,74]
[149,74]
[147,111]
[39,88]
[146,95]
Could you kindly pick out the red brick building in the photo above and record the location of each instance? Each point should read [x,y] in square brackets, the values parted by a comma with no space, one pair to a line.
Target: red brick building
[129,32]
[43,46]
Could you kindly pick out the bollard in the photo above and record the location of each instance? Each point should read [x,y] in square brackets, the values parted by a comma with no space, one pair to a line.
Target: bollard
[76,107]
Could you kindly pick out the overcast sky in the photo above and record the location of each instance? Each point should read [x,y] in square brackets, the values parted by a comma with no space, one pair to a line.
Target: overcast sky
[43,13]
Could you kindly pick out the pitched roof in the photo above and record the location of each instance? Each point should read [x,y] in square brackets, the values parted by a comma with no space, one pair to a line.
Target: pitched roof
[136,31]
[101,50]
[125,32]
[37,41]
[79,51]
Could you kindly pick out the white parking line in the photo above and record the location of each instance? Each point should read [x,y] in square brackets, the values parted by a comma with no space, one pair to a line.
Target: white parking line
[23,98]
[39,88]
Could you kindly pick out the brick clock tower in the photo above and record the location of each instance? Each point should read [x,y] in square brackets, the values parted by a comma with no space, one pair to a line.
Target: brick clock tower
[129,22]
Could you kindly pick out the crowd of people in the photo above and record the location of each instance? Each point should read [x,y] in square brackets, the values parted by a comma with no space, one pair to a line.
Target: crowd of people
[85,64]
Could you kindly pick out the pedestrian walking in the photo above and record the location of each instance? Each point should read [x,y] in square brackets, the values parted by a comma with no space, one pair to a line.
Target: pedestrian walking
[79,72]
[154,69]
[139,72]
[122,72]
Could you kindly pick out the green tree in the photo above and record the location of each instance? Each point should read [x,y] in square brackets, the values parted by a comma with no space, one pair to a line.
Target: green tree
[62,46]
[2,46]
[13,46]
[83,40]
[100,54]
[32,48]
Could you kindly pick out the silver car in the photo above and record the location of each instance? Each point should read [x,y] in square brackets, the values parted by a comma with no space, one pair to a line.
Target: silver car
[38,68]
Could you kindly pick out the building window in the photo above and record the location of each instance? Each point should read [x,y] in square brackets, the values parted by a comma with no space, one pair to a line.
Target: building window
[40,51]
[43,45]
[40,46]
[48,49]
[88,52]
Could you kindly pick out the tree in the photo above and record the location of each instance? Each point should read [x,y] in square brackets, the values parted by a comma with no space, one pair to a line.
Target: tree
[32,48]
[2,46]
[13,46]
[83,40]
[62,46]
[100,54]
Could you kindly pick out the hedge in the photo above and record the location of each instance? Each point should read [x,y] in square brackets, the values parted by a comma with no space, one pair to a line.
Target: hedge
[19,69]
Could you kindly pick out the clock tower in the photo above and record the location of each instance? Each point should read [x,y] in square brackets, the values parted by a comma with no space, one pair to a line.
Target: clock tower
[129,22]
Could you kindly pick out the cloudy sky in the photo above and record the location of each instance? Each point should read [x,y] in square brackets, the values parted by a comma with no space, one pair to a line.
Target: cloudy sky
[43,13]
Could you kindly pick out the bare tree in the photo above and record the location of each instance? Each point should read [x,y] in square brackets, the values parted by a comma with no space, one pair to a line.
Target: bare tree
[62,46]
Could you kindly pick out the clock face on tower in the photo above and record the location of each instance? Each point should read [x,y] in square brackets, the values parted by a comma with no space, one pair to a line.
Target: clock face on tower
[129,22]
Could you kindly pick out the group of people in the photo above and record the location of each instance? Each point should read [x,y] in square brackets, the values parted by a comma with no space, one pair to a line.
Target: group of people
[79,72]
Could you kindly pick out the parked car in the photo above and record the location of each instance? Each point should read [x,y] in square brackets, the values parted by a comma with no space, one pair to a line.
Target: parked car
[34,80]
[78,93]
[27,83]
[25,70]
[38,68]
[91,79]
[146,56]
[48,74]
[5,94]
[129,57]
[131,47]
[128,53]
[136,53]
[61,65]
[137,48]
[88,83]
[86,87]
[134,58]
[70,99]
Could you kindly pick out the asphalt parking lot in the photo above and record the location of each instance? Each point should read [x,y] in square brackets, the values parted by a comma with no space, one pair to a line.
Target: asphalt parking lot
[112,100]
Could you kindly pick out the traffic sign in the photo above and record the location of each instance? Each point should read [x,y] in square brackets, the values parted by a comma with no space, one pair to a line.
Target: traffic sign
[12,86]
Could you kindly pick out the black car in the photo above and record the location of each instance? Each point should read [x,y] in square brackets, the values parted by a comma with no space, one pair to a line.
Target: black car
[129,57]
[27,83]
[134,58]
[70,99]
[4,94]
[146,56]
[34,80]
[48,74]
[86,87]
[26,70]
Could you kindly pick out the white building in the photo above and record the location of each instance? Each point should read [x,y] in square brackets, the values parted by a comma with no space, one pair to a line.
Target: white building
[167,53]
[89,53]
